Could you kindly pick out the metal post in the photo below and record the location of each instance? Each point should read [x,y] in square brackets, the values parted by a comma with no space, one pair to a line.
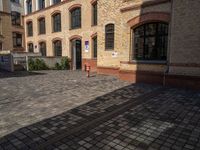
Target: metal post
[27,67]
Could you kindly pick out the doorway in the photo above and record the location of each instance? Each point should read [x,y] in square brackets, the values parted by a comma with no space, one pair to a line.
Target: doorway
[76,54]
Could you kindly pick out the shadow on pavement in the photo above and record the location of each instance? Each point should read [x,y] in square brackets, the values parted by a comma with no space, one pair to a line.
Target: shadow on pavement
[133,117]
[5,74]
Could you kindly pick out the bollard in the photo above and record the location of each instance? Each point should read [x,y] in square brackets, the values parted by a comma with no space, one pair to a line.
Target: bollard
[88,70]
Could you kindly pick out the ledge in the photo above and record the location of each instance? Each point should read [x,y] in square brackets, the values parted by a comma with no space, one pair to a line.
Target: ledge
[153,62]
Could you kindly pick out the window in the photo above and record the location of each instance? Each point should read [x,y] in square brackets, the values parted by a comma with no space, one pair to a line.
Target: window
[15,1]
[30,28]
[42,46]
[109,39]
[29,6]
[1,46]
[56,1]
[76,18]
[94,14]
[17,40]
[57,22]
[57,48]
[16,18]
[30,48]
[42,28]
[94,47]
[150,41]
[41,4]
[1,26]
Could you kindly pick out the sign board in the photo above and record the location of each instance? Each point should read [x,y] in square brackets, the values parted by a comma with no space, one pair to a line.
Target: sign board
[114,54]
[87,47]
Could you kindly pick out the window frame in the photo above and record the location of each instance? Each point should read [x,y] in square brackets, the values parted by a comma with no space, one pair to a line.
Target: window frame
[94,14]
[57,26]
[16,18]
[94,47]
[41,4]
[29,28]
[41,26]
[43,51]
[16,39]
[74,23]
[57,52]
[156,36]
[32,51]
[29,6]
[55,1]
[110,41]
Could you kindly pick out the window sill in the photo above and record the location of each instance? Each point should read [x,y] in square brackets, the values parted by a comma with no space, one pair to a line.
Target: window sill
[17,26]
[41,34]
[156,62]
[56,31]
[109,49]
[94,25]
[75,28]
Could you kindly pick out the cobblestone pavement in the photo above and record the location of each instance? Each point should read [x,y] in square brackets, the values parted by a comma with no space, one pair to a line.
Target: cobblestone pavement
[126,117]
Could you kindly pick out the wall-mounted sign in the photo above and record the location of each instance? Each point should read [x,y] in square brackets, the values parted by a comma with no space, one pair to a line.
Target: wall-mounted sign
[114,54]
[87,47]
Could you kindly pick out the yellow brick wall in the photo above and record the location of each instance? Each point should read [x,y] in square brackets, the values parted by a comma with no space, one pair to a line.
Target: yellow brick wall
[6,37]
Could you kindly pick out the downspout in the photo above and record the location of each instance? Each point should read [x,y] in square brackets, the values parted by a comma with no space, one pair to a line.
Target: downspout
[166,71]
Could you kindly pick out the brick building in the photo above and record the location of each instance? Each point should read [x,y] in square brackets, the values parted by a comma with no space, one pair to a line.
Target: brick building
[11,25]
[156,41]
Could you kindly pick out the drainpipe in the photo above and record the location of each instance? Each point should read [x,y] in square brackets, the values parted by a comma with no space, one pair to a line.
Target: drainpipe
[166,71]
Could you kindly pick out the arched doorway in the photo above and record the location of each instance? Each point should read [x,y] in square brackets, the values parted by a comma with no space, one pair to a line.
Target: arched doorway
[76,54]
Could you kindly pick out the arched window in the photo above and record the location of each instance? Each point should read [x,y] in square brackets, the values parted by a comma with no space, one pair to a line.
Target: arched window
[41,4]
[30,48]
[109,37]
[30,28]
[75,18]
[150,41]
[56,22]
[94,46]
[94,13]
[42,47]
[42,27]
[57,48]
[29,6]
[16,18]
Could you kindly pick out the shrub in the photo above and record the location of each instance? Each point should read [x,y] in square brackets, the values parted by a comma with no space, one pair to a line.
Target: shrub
[64,64]
[38,64]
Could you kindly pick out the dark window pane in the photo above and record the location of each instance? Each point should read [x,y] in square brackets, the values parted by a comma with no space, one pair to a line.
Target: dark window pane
[30,28]
[16,18]
[95,47]
[76,18]
[30,48]
[94,14]
[1,46]
[150,41]
[57,22]
[15,1]
[57,48]
[17,40]
[41,4]
[56,1]
[29,6]
[109,39]
[43,48]
[42,28]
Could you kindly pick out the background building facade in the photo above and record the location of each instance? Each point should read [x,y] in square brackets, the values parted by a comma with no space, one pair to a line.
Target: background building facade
[11,25]
[155,41]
